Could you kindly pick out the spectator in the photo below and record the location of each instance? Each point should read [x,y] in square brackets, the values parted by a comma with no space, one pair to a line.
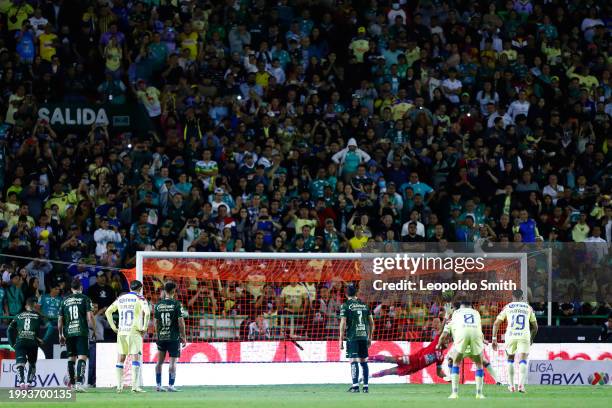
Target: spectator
[606,329]
[3,304]
[104,235]
[553,189]
[294,297]
[452,86]
[580,231]
[39,269]
[527,227]
[15,295]
[350,158]
[103,296]
[33,289]
[359,240]
[49,307]
[259,329]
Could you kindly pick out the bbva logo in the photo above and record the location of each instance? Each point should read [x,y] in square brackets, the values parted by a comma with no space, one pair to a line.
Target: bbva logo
[49,380]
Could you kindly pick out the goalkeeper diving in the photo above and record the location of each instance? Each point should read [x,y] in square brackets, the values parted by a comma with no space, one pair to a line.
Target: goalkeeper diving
[425,357]
[417,361]
[134,317]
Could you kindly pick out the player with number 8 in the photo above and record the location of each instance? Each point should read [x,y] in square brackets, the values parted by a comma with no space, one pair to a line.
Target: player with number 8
[23,337]
[468,341]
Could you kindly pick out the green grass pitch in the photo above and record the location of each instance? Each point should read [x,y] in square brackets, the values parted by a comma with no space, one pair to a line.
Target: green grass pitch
[335,396]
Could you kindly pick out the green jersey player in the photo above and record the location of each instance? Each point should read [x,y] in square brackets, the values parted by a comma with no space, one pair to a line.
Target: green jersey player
[170,326]
[75,313]
[356,319]
[23,337]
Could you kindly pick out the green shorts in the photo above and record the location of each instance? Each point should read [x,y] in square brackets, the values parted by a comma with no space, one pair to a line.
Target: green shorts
[172,347]
[26,352]
[357,349]
[77,346]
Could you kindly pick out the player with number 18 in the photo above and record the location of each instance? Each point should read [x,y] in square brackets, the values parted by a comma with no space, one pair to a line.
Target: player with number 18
[76,311]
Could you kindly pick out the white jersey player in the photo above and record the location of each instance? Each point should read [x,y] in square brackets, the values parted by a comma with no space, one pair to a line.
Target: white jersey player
[521,330]
[134,316]
[468,341]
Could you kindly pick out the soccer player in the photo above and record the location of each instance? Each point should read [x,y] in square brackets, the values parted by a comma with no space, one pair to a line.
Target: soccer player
[134,316]
[75,313]
[468,341]
[417,361]
[23,337]
[521,330]
[412,363]
[356,319]
[170,326]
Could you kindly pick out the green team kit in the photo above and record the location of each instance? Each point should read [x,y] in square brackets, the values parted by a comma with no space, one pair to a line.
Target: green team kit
[167,314]
[23,336]
[357,316]
[74,310]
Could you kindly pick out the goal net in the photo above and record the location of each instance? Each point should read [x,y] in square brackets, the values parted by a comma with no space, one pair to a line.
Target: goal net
[284,307]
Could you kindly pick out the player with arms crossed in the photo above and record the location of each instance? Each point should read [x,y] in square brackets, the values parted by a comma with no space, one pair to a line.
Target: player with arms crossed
[468,341]
[356,318]
[75,313]
[134,316]
[23,337]
[170,326]
[521,330]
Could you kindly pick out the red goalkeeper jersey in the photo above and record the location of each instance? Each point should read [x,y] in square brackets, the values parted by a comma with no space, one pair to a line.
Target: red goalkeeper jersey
[422,358]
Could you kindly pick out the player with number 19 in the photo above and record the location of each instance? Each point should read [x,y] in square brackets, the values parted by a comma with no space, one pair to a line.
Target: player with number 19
[75,313]
[134,316]
[521,330]
[170,327]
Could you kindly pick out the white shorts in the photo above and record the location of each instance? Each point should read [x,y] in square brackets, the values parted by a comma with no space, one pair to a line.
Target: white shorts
[517,346]
[129,344]
[468,344]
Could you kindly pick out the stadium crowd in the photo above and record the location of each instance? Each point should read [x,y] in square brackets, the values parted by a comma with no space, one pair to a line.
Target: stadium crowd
[296,125]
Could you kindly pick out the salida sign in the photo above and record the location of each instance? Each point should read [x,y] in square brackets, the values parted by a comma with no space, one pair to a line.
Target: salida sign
[73,116]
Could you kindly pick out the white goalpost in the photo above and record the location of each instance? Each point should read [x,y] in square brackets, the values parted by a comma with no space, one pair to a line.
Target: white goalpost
[261,372]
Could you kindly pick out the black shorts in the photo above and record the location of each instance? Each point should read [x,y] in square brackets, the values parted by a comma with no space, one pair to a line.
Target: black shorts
[357,349]
[172,347]
[77,346]
[26,352]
